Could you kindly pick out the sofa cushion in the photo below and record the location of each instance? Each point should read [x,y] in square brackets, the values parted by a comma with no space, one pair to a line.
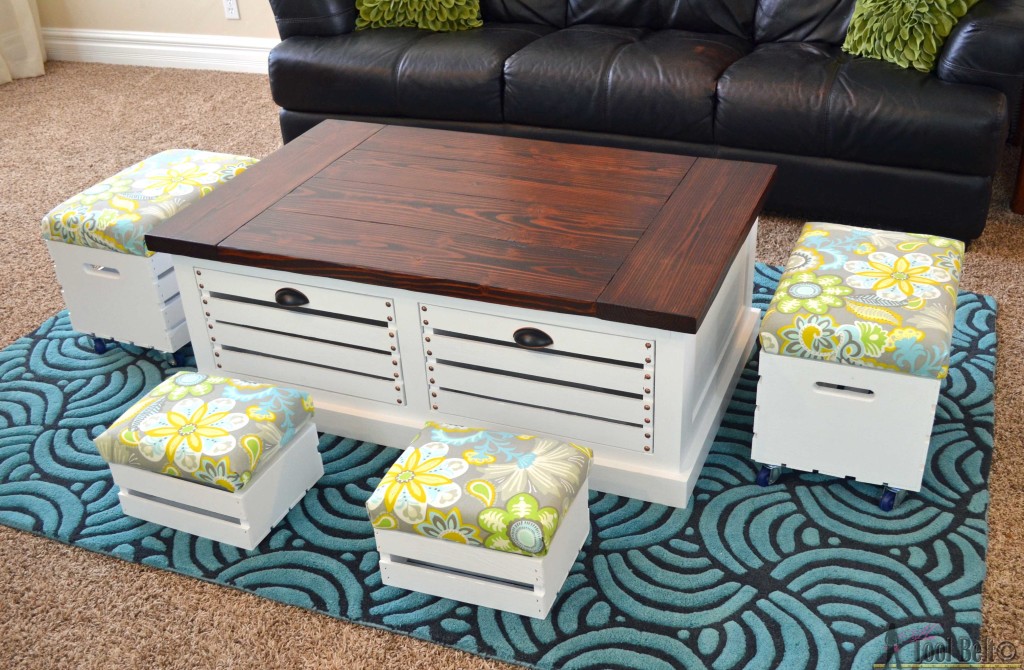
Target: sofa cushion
[627,81]
[730,17]
[399,72]
[118,212]
[543,12]
[812,99]
[214,431]
[806,21]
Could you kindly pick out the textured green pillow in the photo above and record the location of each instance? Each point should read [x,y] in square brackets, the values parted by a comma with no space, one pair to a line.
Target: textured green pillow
[908,33]
[436,15]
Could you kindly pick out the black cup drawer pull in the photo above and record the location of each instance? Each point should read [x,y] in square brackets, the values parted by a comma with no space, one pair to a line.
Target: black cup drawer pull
[290,297]
[532,338]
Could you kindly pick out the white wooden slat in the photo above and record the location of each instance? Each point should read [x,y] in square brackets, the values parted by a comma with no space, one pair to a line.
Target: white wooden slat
[297,323]
[463,588]
[173,311]
[136,307]
[317,353]
[538,363]
[328,379]
[329,300]
[524,570]
[554,396]
[483,572]
[166,281]
[534,420]
[572,340]
[242,518]
[186,520]
[880,439]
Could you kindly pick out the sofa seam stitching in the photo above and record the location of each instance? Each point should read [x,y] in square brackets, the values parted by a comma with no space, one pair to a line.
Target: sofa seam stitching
[963,68]
[828,107]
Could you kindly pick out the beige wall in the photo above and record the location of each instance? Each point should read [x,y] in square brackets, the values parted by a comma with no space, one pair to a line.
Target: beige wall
[196,17]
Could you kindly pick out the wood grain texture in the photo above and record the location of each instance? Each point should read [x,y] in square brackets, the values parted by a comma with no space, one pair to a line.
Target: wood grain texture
[522,182]
[455,214]
[629,236]
[196,230]
[464,266]
[604,168]
[673,274]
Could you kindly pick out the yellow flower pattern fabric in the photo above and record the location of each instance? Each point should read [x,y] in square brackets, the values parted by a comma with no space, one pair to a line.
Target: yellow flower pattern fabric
[481,487]
[116,213]
[211,430]
[873,298]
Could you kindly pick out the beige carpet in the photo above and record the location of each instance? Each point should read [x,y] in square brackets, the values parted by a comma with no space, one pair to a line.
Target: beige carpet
[63,607]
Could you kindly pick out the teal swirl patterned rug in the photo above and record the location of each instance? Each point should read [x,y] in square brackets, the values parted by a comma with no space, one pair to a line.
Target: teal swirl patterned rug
[807,573]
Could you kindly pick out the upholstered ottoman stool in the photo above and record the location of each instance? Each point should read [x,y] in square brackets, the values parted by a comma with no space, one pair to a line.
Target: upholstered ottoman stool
[854,348]
[484,517]
[220,458]
[114,287]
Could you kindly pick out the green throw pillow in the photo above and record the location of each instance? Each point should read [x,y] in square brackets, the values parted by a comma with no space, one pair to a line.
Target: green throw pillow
[908,33]
[436,15]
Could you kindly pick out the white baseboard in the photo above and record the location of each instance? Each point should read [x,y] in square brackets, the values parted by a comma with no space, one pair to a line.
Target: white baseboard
[196,52]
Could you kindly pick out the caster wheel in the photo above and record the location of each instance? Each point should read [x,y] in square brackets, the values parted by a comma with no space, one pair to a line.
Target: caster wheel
[179,359]
[891,499]
[98,345]
[768,475]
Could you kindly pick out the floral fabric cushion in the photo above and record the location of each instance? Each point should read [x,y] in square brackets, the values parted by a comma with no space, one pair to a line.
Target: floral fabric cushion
[116,213]
[210,430]
[481,487]
[866,297]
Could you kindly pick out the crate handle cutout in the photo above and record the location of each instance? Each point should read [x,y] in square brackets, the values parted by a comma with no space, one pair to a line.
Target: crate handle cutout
[101,271]
[845,391]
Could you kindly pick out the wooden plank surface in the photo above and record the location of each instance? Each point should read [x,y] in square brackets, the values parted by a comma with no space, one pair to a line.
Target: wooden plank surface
[453,213]
[672,276]
[630,236]
[518,182]
[579,164]
[464,266]
[199,228]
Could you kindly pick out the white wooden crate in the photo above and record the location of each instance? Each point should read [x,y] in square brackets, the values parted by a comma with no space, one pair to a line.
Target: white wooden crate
[524,585]
[364,351]
[122,297]
[241,519]
[843,420]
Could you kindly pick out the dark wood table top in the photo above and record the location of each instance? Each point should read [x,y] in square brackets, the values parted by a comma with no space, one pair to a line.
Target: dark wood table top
[630,236]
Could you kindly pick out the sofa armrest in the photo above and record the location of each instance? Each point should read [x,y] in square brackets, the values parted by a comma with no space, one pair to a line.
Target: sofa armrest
[317,18]
[987,48]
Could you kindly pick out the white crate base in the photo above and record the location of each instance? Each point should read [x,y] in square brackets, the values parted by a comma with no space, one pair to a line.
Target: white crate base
[241,519]
[123,297]
[817,416]
[514,583]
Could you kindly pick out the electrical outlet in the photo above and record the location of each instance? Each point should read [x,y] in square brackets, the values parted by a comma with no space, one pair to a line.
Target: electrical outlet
[231,10]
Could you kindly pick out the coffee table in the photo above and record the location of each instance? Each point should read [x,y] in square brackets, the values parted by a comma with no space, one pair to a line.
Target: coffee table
[404,274]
